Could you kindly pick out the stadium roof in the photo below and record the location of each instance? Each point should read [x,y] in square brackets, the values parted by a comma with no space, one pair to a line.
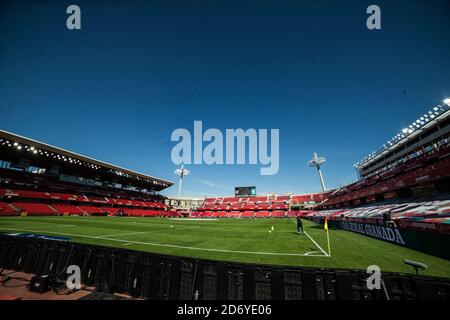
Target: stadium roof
[39,153]
[430,119]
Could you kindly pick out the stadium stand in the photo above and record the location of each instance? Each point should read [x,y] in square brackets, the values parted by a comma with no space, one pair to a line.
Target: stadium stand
[262,214]
[263,206]
[65,209]
[234,214]
[91,210]
[35,209]
[278,214]
[293,214]
[248,214]
[425,209]
[7,210]
[79,204]
[275,206]
[221,214]
[40,179]
[206,214]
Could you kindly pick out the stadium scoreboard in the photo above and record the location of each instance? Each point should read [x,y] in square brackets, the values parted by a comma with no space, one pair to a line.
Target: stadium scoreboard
[244,191]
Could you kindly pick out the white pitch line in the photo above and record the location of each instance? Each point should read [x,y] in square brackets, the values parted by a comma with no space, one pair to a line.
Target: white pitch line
[311,253]
[46,225]
[138,232]
[317,245]
[120,234]
[170,245]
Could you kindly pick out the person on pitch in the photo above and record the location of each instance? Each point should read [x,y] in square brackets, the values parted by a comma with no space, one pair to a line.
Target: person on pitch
[299,224]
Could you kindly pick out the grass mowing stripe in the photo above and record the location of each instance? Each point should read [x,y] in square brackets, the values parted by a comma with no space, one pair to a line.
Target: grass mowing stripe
[171,245]
[120,234]
[350,250]
[139,232]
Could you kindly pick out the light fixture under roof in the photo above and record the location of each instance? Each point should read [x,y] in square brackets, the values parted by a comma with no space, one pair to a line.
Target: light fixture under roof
[431,115]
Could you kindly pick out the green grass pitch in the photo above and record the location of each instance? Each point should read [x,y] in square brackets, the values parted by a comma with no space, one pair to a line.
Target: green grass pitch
[239,240]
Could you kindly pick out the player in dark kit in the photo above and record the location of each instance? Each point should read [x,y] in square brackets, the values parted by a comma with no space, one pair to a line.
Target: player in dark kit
[299,224]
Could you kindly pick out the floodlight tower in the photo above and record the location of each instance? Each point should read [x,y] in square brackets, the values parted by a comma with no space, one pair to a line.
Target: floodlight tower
[316,162]
[182,172]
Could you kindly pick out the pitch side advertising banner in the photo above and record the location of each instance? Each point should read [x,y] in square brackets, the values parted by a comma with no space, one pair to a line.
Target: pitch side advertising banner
[430,242]
[376,231]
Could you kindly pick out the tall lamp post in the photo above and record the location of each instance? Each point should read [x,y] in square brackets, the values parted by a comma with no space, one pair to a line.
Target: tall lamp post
[316,162]
[182,172]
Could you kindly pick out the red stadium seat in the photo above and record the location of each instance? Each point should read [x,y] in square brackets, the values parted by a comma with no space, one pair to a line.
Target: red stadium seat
[144,213]
[279,206]
[194,214]
[222,214]
[7,210]
[236,206]
[234,214]
[262,214]
[249,206]
[63,196]
[278,214]
[207,214]
[93,210]
[222,207]
[35,209]
[264,206]
[248,214]
[68,209]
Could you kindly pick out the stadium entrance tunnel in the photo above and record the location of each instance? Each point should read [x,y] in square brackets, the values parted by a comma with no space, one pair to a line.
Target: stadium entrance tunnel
[161,277]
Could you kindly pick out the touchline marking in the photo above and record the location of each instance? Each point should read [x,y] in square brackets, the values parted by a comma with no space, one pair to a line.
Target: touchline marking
[171,245]
[317,245]
[121,234]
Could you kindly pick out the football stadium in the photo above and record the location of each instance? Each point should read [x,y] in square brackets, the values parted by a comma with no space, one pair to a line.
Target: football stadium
[58,207]
[209,150]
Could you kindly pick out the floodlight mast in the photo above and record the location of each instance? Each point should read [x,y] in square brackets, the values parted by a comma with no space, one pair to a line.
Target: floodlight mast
[316,162]
[182,172]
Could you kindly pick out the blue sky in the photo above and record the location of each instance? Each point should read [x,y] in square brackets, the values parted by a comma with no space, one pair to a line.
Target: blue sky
[116,89]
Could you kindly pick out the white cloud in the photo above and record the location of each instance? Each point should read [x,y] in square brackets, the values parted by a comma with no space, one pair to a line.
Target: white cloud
[213,185]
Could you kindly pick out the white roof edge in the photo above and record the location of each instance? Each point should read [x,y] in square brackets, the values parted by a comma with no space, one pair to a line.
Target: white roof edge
[86,157]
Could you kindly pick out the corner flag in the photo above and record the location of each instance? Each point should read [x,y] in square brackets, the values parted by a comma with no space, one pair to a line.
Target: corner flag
[325,227]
